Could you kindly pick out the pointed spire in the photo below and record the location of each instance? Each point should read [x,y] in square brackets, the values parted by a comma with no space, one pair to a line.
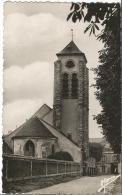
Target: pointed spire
[71,48]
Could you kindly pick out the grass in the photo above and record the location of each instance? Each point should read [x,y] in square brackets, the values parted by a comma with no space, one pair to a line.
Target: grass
[34,184]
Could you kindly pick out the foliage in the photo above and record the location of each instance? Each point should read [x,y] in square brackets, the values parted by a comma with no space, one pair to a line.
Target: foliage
[61,156]
[95,150]
[107,17]
[96,14]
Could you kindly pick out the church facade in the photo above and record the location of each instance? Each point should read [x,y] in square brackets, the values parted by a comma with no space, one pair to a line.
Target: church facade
[63,129]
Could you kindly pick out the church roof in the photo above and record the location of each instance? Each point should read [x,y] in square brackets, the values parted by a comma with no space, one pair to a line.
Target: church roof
[48,117]
[58,134]
[33,128]
[39,125]
[43,111]
[71,48]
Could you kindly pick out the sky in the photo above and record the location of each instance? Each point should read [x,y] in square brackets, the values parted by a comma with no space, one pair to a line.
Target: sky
[33,34]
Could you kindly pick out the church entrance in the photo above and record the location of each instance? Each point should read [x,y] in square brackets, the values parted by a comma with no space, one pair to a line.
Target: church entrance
[29,149]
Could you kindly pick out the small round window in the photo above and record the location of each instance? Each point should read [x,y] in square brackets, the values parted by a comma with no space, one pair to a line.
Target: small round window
[70,64]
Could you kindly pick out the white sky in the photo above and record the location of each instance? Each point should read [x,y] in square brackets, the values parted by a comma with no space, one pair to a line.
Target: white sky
[33,34]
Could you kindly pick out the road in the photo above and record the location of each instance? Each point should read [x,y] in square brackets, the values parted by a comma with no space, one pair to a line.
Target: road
[82,185]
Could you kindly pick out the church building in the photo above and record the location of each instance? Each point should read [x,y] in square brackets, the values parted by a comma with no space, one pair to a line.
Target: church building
[64,128]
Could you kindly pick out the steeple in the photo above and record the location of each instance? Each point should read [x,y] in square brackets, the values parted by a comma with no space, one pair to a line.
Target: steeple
[71,49]
[71,87]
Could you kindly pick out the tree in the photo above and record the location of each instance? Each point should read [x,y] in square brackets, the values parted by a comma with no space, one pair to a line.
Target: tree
[107,16]
[95,150]
[61,156]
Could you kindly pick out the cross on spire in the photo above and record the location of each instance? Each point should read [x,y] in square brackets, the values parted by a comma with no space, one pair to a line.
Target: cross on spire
[72,34]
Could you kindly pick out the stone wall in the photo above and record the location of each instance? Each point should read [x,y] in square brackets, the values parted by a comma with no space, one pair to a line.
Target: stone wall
[19,145]
[19,168]
[70,118]
[72,114]
[83,108]
[60,144]
[57,96]
[65,144]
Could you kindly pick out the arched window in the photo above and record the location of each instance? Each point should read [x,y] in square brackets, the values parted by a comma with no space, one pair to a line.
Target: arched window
[74,92]
[29,149]
[65,89]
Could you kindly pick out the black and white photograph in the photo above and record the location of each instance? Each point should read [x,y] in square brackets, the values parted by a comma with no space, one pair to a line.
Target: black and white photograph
[61,120]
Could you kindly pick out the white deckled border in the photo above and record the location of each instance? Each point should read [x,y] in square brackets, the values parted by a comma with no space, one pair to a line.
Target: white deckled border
[1,59]
[87,1]
[1,87]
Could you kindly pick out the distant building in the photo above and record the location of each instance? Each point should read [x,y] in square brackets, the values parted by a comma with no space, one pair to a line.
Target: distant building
[91,166]
[110,162]
[65,127]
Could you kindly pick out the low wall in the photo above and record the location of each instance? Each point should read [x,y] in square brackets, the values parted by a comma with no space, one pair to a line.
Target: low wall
[19,168]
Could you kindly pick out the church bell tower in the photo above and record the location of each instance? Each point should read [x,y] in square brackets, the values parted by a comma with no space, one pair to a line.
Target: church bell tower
[71,96]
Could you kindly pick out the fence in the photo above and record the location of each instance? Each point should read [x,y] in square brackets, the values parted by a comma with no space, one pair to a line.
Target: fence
[19,168]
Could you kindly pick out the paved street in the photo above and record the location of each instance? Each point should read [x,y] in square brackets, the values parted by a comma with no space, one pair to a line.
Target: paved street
[82,185]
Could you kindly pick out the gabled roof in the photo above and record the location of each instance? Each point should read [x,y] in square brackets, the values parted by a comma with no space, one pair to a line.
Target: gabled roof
[34,128]
[48,117]
[44,110]
[57,133]
[39,125]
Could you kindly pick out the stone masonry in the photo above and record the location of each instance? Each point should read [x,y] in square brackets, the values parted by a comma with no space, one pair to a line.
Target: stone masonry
[71,114]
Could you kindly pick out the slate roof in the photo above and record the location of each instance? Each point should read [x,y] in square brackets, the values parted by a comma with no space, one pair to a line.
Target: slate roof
[57,133]
[48,117]
[38,126]
[34,128]
[71,49]
[41,112]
